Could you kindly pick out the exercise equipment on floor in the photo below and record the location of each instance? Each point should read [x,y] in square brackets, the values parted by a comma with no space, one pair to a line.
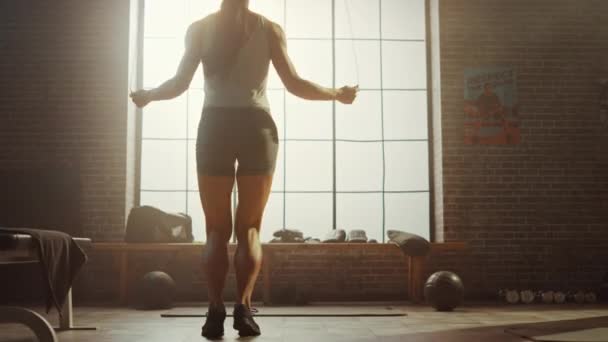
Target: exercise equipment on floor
[559,297]
[156,290]
[527,296]
[444,290]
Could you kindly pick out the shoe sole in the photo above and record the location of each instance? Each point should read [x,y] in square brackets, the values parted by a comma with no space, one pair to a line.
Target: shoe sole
[214,336]
[245,331]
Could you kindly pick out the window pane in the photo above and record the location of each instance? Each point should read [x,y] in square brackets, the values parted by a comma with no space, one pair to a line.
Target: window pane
[165,18]
[403,19]
[273,217]
[361,120]
[271,9]
[360,211]
[407,166]
[357,19]
[309,166]
[310,213]
[163,165]
[404,65]
[408,212]
[165,119]
[308,19]
[196,98]
[359,166]
[405,115]
[195,210]
[312,59]
[308,119]
[168,201]
[358,62]
[161,58]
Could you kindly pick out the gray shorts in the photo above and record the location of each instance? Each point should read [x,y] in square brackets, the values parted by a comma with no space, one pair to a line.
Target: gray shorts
[246,135]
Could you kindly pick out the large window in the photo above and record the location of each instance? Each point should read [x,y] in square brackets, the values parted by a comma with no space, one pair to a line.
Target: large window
[363,166]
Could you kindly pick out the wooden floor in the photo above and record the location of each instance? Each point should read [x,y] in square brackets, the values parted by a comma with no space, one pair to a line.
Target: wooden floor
[470,323]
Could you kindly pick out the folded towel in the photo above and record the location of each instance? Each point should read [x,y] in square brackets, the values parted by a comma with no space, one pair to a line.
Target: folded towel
[60,259]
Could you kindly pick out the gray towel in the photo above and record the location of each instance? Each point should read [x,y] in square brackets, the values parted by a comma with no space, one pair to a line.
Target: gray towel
[61,259]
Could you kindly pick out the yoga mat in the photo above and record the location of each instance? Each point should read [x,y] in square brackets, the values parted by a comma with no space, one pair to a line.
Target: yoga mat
[301,311]
[586,335]
[579,330]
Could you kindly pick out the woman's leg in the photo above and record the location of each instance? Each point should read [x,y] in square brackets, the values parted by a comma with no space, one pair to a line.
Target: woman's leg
[253,194]
[215,194]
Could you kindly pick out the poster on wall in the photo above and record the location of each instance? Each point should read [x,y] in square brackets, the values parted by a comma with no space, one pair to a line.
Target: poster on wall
[490,106]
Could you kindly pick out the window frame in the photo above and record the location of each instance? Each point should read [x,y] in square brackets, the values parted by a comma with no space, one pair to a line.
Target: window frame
[429,140]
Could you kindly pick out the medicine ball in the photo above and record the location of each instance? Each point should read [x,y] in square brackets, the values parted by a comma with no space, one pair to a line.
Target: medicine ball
[444,290]
[156,290]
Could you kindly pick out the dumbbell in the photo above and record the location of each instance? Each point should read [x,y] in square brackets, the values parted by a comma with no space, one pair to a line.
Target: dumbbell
[512,296]
[527,296]
[559,297]
[547,297]
[590,297]
[579,297]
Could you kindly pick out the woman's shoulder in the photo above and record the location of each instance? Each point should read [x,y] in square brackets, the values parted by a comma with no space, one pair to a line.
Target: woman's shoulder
[263,20]
[271,27]
[201,24]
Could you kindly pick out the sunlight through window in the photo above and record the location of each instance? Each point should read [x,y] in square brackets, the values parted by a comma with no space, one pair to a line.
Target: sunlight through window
[376,150]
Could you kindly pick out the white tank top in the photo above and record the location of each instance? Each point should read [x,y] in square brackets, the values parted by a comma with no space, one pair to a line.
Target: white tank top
[245,83]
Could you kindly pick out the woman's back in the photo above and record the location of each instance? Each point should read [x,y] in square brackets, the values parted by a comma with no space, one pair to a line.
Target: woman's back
[242,81]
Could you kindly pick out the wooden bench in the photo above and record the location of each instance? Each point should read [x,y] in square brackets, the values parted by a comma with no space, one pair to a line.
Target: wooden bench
[22,250]
[121,252]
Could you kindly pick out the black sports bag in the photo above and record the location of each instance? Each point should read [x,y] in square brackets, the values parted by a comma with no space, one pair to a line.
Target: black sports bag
[150,224]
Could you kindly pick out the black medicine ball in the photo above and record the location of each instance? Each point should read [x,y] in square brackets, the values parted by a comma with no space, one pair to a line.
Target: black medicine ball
[156,290]
[444,290]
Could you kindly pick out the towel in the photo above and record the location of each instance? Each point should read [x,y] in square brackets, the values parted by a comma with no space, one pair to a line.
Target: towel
[60,259]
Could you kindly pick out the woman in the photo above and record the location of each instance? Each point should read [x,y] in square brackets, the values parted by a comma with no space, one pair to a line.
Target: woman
[236,46]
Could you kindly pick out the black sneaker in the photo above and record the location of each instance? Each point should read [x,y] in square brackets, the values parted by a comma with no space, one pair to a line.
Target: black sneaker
[214,325]
[243,321]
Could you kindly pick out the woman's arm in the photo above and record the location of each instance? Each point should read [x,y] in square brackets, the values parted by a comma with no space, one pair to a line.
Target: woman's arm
[293,82]
[181,81]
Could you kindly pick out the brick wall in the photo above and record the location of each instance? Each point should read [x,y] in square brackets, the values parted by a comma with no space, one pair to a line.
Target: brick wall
[63,86]
[296,272]
[535,214]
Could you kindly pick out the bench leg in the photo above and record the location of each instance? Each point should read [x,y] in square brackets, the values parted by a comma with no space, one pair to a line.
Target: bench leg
[66,319]
[40,326]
